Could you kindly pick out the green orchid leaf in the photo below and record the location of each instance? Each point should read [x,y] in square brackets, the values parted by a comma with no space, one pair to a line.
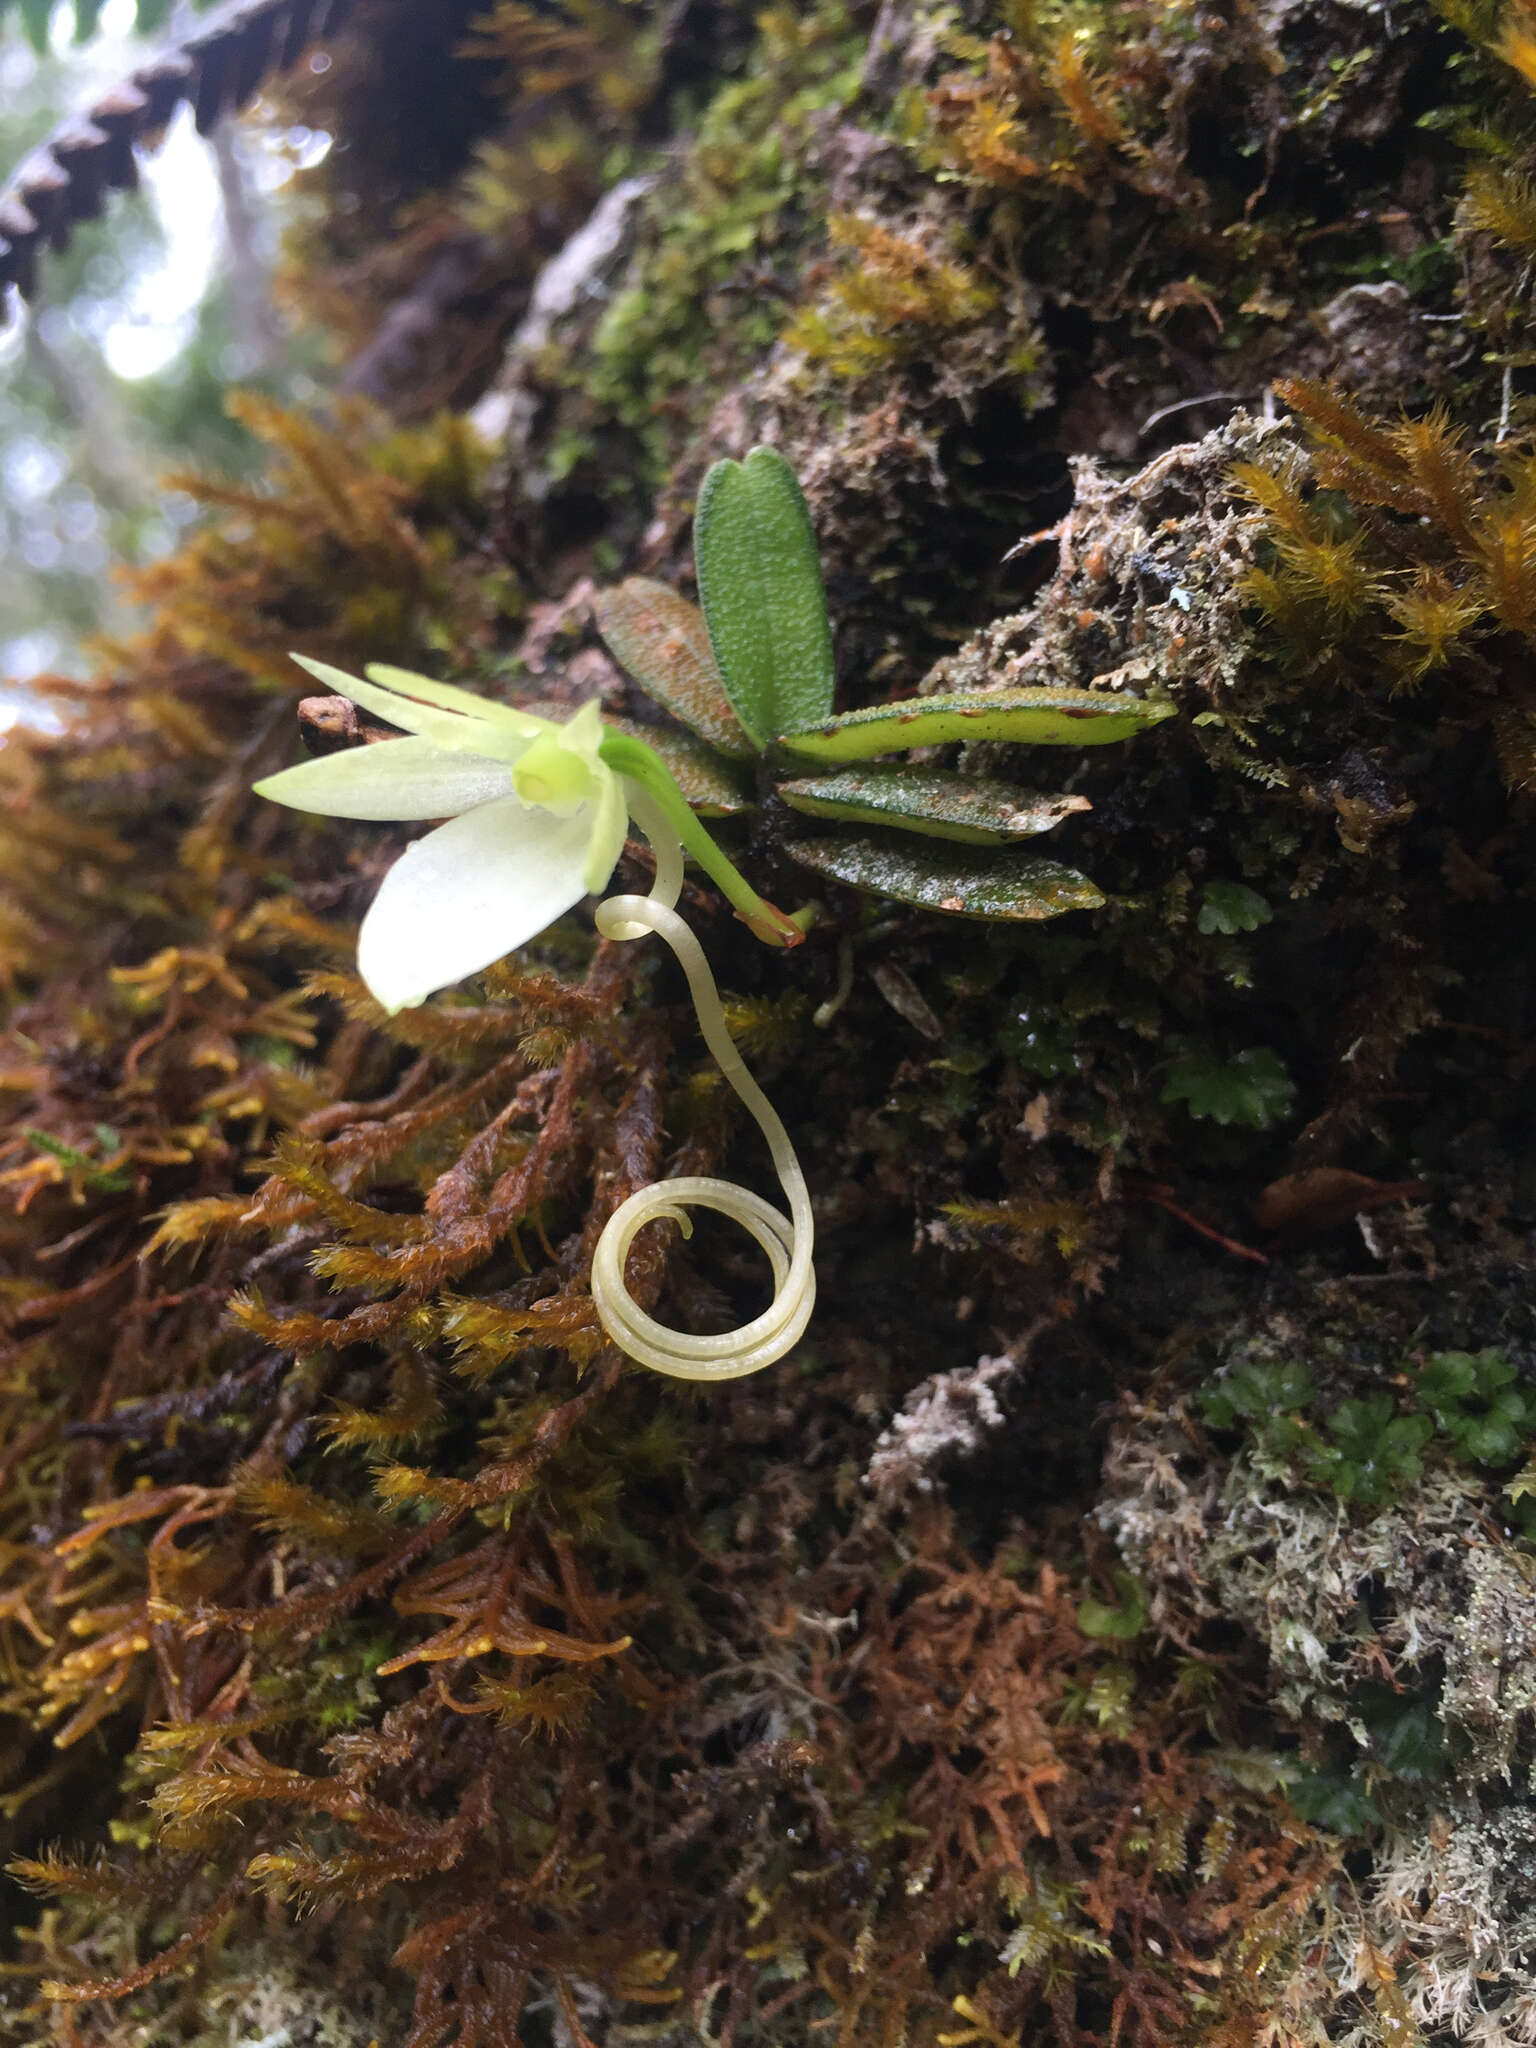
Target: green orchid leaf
[932,801]
[87,16]
[662,640]
[760,585]
[1040,718]
[714,788]
[1009,886]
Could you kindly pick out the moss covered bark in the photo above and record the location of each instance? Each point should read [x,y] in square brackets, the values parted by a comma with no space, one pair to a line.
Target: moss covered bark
[1117,1620]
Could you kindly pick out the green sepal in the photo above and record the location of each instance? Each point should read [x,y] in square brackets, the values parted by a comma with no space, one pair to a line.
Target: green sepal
[662,640]
[933,801]
[1010,886]
[760,586]
[1039,718]
[87,16]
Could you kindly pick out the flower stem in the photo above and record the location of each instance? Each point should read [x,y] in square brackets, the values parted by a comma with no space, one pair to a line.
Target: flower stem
[639,764]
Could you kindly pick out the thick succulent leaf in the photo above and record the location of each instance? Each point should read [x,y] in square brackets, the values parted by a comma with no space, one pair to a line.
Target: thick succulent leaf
[1012,886]
[1040,718]
[760,585]
[932,801]
[662,640]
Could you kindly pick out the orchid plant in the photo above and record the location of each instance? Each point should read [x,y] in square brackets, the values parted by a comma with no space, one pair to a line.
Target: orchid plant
[537,811]
[750,676]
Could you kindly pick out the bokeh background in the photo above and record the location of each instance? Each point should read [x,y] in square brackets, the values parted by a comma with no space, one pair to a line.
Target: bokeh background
[114,378]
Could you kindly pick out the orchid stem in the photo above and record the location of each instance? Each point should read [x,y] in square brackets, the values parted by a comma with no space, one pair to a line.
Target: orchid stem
[646,770]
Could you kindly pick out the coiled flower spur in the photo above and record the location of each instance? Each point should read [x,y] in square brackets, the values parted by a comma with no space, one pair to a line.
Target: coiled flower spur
[537,813]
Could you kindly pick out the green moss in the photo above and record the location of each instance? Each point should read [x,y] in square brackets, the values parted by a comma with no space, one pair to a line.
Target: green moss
[702,303]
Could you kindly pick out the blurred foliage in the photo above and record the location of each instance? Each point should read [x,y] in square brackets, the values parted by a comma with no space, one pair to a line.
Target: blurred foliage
[39,17]
[85,448]
[1252,1088]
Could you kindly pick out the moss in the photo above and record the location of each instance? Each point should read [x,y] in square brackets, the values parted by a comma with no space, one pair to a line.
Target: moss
[1403,1630]
[344,1566]
[702,302]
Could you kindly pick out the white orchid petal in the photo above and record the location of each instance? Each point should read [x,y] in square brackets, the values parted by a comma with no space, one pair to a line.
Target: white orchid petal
[390,779]
[469,892]
[459,735]
[447,697]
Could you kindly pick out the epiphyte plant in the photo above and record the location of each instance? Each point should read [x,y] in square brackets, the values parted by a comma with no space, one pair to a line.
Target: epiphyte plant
[752,676]
[537,814]
[537,811]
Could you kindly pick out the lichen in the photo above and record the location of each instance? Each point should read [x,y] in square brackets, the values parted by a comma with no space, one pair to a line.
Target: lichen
[1401,1668]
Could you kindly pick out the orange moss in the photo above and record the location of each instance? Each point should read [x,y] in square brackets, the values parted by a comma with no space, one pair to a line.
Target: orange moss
[1429,540]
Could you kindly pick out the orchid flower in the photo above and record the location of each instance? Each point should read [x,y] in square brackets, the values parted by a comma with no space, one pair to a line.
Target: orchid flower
[537,813]
[537,816]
